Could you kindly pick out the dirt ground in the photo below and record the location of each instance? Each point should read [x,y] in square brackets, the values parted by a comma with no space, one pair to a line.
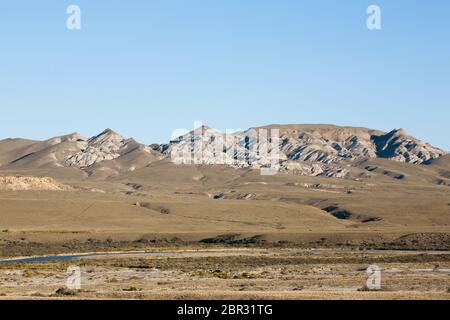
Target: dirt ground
[230,234]
[234,273]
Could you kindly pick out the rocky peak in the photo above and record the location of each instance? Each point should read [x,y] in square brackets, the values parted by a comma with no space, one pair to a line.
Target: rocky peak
[107,135]
[398,145]
[108,145]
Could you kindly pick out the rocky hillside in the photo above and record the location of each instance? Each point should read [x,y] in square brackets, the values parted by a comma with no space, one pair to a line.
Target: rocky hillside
[108,145]
[328,144]
[312,150]
[78,152]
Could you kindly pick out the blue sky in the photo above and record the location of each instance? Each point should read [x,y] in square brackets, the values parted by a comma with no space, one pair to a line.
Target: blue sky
[147,67]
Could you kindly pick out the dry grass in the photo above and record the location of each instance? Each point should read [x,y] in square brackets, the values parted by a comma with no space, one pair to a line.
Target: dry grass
[236,274]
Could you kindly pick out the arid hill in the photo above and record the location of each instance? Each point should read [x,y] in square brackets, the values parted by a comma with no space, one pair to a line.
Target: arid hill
[311,150]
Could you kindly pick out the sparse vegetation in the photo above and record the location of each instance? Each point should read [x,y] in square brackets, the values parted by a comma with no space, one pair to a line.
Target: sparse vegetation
[131,289]
[63,291]
[251,273]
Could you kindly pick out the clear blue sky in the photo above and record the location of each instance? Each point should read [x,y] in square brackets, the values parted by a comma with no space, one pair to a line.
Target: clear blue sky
[147,67]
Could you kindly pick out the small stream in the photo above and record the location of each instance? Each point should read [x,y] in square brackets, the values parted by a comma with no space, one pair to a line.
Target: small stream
[70,257]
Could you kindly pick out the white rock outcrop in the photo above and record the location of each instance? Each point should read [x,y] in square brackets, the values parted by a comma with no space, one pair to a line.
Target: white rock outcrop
[312,150]
[108,145]
[19,183]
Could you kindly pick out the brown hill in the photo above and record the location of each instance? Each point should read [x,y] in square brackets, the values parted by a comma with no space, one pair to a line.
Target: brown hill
[312,150]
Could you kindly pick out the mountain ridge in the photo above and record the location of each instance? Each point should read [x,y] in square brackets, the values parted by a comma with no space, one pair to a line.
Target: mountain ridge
[305,149]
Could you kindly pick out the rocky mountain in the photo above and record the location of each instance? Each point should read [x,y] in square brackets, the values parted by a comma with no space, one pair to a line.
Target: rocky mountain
[398,145]
[328,144]
[108,145]
[107,152]
[311,150]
